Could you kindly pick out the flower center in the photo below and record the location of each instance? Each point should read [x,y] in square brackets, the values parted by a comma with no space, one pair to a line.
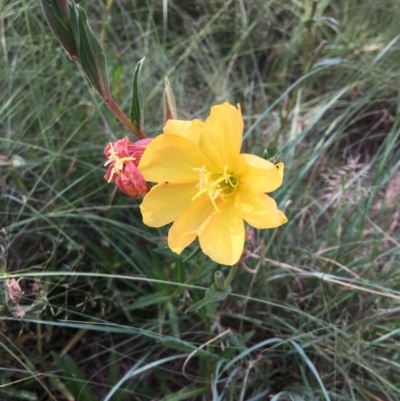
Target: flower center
[118,162]
[216,185]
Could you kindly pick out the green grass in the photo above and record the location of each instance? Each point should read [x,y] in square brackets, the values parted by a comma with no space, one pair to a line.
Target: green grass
[104,300]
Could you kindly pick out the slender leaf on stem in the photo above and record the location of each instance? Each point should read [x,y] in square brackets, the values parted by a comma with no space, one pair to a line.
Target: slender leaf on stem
[74,378]
[92,57]
[214,295]
[57,14]
[170,112]
[137,98]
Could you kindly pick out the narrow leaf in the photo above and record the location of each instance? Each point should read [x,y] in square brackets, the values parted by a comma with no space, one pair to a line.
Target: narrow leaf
[74,20]
[57,14]
[22,395]
[313,369]
[64,7]
[74,378]
[309,23]
[148,300]
[184,346]
[92,57]
[213,295]
[184,394]
[137,98]
[170,112]
[60,386]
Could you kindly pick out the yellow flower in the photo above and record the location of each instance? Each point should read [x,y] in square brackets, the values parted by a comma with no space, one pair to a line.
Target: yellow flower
[206,187]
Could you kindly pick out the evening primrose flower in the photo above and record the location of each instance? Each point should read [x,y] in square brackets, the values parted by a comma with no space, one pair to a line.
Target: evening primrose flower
[123,158]
[206,187]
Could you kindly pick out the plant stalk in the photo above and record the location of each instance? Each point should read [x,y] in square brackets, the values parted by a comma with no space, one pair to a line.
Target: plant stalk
[123,118]
[209,363]
[106,13]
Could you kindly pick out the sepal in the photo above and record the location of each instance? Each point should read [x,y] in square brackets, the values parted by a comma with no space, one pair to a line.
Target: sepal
[170,112]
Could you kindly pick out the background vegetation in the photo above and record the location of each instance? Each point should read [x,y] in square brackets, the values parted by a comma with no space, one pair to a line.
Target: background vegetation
[315,317]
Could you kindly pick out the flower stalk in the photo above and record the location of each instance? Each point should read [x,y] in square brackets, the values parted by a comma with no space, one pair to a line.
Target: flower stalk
[123,118]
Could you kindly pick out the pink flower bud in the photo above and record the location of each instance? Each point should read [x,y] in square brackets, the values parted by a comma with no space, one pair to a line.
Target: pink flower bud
[123,159]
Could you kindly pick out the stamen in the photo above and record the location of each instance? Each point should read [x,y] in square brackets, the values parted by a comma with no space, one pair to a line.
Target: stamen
[215,185]
[118,162]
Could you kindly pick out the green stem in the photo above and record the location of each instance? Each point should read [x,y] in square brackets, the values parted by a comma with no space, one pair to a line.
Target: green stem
[231,275]
[227,283]
[106,13]
[316,54]
[178,290]
[123,118]
[305,51]
[209,363]
[261,263]
[39,339]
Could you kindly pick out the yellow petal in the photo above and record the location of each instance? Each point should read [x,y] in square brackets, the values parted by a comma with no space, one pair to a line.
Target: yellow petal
[171,158]
[258,209]
[222,135]
[260,174]
[182,128]
[165,202]
[222,237]
[187,225]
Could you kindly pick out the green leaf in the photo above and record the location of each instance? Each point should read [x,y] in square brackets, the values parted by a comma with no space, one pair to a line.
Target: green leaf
[57,14]
[148,300]
[271,154]
[309,23]
[170,112]
[213,295]
[184,346]
[246,336]
[76,381]
[184,394]
[137,98]
[60,386]
[179,271]
[91,56]
[74,20]
[192,254]
[173,318]
[22,395]
[113,376]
